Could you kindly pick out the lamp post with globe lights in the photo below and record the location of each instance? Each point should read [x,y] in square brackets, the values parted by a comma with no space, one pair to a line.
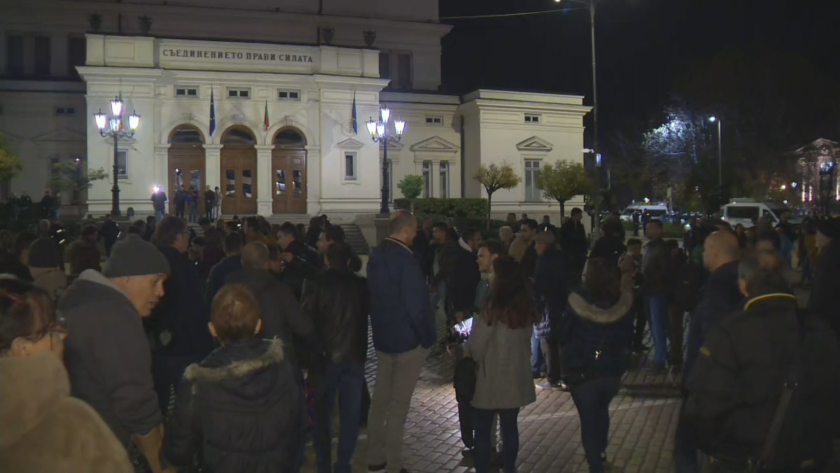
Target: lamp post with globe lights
[112,127]
[379,134]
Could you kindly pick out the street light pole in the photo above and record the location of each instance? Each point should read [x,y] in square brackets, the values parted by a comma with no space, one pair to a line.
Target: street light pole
[115,189]
[717,120]
[597,179]
[379,134]
[113,128]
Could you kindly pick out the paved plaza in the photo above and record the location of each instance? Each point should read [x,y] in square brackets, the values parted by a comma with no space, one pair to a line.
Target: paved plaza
[643,420]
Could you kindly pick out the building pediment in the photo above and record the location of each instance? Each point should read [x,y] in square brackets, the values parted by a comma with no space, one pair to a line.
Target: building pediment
[62,135]
[11,137]
[350,143]
[434,144]
[535,143]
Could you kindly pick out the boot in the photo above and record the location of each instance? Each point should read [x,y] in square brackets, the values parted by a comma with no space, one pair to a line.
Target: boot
[150,445]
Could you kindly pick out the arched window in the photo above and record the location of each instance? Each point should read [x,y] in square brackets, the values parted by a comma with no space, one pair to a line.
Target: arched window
[238,136]
[289,138]
[186,135]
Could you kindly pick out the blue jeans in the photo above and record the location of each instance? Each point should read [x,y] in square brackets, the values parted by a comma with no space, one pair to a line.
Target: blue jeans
[158,215]
[347,379]
[657,309]
[510,438]
[537,359]
[592,400]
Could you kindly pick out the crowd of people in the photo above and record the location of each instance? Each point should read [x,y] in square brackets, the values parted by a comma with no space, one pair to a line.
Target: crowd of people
[226,351]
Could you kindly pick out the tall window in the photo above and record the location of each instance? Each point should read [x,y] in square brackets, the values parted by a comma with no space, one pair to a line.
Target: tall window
[42,56]
[350,166]
[444,180]
[385,65]
[77,55]
[532,172]
[427,179]
[404,71]
[14,55]
[122,164]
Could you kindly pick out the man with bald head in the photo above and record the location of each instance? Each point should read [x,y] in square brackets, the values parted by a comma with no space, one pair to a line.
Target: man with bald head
[403,326]
[720,297]
[280,311]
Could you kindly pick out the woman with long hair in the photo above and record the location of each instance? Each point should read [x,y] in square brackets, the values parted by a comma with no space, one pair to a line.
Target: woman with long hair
[44,429]
[595,334]
[500,344]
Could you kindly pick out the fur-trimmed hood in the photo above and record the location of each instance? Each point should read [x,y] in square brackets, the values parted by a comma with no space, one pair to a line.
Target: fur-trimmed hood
[31,387]
[236,368]
[602,316]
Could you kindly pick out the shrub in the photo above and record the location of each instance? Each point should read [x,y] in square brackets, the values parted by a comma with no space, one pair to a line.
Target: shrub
[457,208]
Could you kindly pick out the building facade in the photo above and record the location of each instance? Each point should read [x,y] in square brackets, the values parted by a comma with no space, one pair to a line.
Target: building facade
[285,84]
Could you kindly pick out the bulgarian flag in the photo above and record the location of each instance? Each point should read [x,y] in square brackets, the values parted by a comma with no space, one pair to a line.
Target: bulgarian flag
[212,112]
[265,121]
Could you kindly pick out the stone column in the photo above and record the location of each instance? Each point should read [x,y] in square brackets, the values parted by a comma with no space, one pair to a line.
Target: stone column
[59,52]
[313,180]
[264,186]
[161,167]
[212,166]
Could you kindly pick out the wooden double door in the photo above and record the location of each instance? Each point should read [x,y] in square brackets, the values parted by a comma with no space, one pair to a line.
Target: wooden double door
[187,171]
[239,180]
[288,175]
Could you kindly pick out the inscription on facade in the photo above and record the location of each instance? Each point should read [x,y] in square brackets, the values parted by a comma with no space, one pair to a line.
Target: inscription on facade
[236,55]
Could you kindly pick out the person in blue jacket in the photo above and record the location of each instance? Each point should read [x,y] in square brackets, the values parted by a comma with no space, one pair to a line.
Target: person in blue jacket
[403,328]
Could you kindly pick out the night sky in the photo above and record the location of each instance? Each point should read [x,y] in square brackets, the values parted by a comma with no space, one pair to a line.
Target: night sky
[642,46]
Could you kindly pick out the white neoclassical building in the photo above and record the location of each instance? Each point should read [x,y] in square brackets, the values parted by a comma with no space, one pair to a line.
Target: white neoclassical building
[285,80]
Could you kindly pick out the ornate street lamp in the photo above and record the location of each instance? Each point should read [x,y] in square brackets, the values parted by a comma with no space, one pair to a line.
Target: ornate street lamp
[379,134]
[112,127]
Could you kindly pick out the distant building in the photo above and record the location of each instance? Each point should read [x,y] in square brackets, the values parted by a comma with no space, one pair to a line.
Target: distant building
[304,62]
[818,181]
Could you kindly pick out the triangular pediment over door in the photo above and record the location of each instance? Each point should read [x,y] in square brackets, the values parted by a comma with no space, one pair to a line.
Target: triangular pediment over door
[434,144]
[62,135]
[535,143]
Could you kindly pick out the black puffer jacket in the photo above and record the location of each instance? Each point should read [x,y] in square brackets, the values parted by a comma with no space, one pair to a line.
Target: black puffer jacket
[595,336]
[242,406]
[339,303]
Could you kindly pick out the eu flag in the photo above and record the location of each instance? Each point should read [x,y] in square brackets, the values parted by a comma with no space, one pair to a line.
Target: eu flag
[212,113]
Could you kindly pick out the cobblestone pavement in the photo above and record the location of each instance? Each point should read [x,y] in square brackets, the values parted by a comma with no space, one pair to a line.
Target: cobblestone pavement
[643,421]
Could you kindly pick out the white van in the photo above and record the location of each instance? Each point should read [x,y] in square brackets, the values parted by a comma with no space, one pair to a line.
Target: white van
[748,211]
[654,210]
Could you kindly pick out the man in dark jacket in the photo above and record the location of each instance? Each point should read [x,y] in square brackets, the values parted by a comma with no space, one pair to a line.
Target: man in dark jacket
[573,241]
[403,328]
[655,266]
[527,232]
[338,302]
[445,245]
[229,265]
[209,203]
[110,232]
[546,226]
[551,288]
[107,353]
[179,323]
[83,253]
[279,308]
[465,275]
[241,408]
[746,365]
[720,297]
[159,204]
[611,245]
[301,262]
[825,295]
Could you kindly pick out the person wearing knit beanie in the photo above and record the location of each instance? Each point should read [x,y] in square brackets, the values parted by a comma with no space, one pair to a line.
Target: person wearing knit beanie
[44,266]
